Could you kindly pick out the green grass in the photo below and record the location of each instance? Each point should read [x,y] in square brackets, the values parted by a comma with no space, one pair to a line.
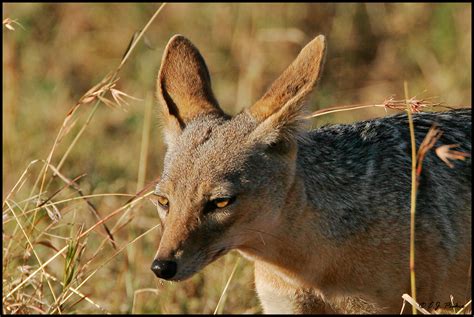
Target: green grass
[63,50]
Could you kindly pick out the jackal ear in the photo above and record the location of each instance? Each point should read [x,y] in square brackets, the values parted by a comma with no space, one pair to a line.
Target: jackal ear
[279,112]
[184,86]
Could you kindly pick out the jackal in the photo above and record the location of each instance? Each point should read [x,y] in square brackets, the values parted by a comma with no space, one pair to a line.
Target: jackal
[324,214]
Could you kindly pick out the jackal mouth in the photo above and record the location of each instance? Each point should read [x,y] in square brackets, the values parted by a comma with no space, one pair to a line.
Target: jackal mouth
[187,272]
[218,254]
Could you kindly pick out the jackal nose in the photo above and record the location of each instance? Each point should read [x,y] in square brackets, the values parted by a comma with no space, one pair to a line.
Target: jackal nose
[164,269]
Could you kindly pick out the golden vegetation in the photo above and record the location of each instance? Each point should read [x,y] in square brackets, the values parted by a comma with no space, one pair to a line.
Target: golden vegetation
[79,233]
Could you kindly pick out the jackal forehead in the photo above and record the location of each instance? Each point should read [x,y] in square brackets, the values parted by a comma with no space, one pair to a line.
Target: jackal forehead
[208,154]
[218,131]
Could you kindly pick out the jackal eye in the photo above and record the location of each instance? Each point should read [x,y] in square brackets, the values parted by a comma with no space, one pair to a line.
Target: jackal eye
[162,201]
[219,203]
[222,202]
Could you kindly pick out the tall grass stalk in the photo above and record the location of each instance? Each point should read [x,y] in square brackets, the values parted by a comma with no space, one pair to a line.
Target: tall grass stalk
[33,249]
[132,252]
[412,199]
[414,304]
[72,289]
[85,233]
[95,93]
[17,184]
[131,47]
[107,261]
[145,142]
[220,303]
[27,212]
[111,79]
[139,291]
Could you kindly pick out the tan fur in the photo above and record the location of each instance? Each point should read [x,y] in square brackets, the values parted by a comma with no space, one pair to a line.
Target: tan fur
[184,80]
[302,263]
[288,92]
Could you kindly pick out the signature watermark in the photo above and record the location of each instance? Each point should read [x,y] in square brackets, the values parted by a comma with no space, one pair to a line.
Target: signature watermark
[438,305]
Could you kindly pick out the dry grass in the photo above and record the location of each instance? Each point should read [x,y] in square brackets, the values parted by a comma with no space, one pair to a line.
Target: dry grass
[76,240]
[79,232]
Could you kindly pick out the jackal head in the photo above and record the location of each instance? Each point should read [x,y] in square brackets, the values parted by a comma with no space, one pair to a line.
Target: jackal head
[225,178]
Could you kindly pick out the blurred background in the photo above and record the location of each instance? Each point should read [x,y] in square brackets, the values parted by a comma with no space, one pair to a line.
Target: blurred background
[59,51]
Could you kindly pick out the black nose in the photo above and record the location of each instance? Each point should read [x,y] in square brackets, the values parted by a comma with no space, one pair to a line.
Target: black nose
[164,269]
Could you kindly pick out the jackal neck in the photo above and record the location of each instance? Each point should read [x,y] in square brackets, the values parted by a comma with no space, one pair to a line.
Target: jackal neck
[291,244]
